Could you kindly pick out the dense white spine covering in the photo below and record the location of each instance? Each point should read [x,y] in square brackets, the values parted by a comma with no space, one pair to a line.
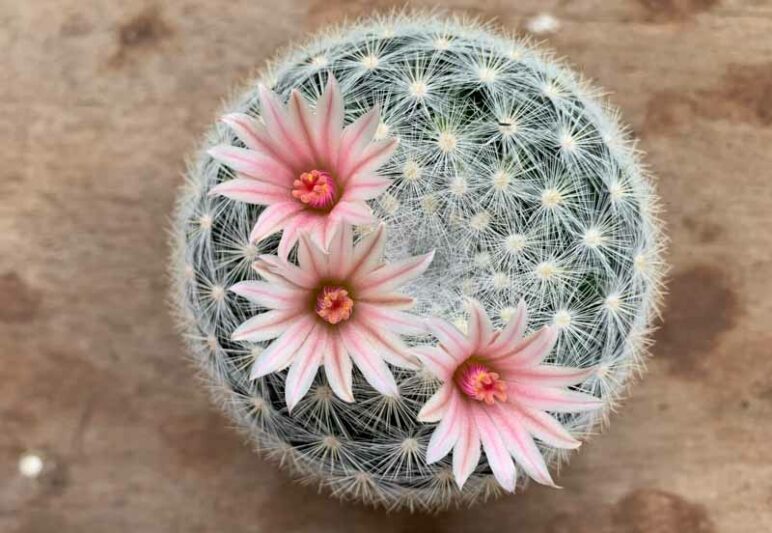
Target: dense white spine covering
[512,169]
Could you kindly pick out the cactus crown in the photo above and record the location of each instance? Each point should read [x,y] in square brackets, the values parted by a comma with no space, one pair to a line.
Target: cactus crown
[511,169]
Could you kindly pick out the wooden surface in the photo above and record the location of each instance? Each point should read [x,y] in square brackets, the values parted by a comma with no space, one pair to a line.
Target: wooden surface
[100,103]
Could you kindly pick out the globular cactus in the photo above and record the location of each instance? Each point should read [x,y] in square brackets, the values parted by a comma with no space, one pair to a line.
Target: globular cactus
[508,167]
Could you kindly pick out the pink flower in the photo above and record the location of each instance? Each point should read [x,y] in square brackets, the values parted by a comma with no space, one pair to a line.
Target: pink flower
[311,172]
[497,392]
[330,309]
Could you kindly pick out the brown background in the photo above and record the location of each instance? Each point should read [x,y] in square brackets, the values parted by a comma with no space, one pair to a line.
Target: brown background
[100,102]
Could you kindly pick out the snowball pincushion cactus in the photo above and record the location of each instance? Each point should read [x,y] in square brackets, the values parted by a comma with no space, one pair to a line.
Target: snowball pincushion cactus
[381,143]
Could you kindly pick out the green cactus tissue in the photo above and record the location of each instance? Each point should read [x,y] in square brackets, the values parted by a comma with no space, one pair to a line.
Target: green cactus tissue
[417,262]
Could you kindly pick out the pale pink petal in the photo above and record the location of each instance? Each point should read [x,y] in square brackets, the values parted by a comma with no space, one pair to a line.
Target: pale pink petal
[327,229]
[358,135]
[311,258]
[281,351]
[436,360]
[270,295]
[252,164]
[368,253]
[390,319]
[446,434]
[495,450]
[304,120]
[480,327]
[329,120]
[466,452]
[392,300]
[291,232]
[355,212]
[456,344]
[552,399]
[530,351]
[337,368]
[370,159]
[273,218]
[368,361]
[545,428]
[303,370]
[341,251]
[284,131]
[366,187]
[391,276]
[512,332]
[520,444]
[253,135]
[277,270]
[265,326]
[436,406]
[550,376]
[389,347]
[251,191]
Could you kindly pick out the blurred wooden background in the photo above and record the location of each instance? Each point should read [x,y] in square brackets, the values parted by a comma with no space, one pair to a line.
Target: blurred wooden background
[100,101]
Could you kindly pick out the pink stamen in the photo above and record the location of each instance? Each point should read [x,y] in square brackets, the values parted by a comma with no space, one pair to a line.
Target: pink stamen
[479,383]
[316,189]
[333,304]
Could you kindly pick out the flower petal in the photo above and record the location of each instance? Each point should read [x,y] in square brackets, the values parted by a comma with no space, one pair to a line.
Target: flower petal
[390,319]
[270,295]
[495,450]
[265,326]
[512,332]
[277,270]
[303,370]
[389,346]
[369,362]
[436,406]
[337,368]
[281,351]
[311,258]
[251,191]
[392,300]
[520,444]
[253,135]
[358,135]
[303,120]
[446,434]
[455,343]
[466,452]
[436,360]
[391,276]
[530,351]
[355,212]
[368,253]
[366,187]
[371,158]
[252,164]
[479,325]
[550,375]
[341,251]
[283,129]
[329,117]
[545,428]
[273,218]
[552,399]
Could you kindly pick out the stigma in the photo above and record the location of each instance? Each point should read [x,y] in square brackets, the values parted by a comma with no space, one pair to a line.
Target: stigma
[316,189]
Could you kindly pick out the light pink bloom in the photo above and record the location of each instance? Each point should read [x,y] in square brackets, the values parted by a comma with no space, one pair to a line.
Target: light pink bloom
[330,309]
[497,392]
[311,172]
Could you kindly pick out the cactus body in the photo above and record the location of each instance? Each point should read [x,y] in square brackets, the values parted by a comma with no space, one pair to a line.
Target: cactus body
[523,183]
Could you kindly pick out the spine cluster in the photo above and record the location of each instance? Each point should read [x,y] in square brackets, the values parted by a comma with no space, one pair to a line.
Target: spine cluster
[511,169]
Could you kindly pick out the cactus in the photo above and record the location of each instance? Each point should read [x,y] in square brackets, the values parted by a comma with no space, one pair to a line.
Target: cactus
[518,177]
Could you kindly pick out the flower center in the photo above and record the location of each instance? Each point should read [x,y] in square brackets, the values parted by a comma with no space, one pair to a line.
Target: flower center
[316,189]
[333,304]
[478,382]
